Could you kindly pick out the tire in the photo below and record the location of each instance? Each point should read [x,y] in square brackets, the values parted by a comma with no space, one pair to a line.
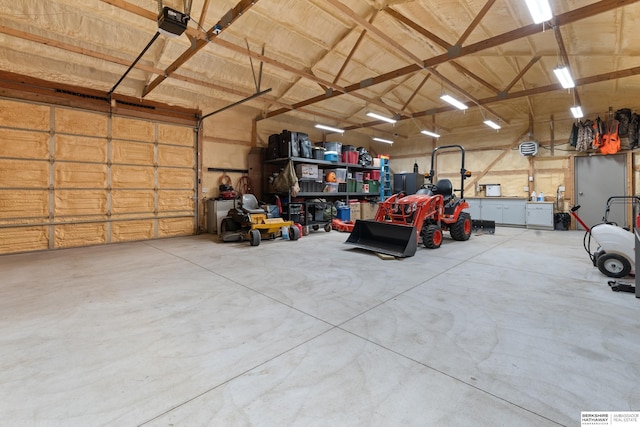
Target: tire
[315,227]
[432,236]
[254,237]
[614,265]
[327,227]
[294,233]
[461,229]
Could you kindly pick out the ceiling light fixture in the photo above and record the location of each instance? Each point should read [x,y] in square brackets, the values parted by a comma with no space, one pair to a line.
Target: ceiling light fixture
[429,133]
[380,117]
[540,10]
[329,128]
[564,77]
[451,100]
[386,141]
[492,124]
[577,112]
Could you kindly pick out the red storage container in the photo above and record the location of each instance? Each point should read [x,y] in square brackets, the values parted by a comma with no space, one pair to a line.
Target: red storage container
[374,175]
[350,157]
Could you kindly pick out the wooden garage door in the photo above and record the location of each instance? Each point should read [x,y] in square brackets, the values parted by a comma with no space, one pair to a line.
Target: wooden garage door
[73,178]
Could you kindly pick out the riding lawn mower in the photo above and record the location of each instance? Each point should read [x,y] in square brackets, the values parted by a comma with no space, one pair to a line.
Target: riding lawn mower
[250,222]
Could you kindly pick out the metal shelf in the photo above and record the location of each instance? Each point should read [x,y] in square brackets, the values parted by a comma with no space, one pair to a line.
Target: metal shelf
[338,194]
[321,162]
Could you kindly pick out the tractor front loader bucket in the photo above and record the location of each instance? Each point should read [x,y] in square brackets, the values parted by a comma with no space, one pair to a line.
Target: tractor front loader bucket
[392,239]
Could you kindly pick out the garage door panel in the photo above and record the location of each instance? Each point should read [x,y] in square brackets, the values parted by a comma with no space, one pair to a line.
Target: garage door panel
[80,175]
[175,156]
[175,135]
[123,231]
[132,201]
[80,148]
[133,152]
[175,200]
[132,129]
[71,178]
[175,227]
[24,115]
[72,235]
[175,178]
[24,204]
[80,202]
[24,173]
[24,144]
[80,122]
[24,239]
[132,177]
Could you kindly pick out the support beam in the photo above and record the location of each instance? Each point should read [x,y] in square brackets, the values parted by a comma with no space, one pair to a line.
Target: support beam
[526,31]
[230,17]
[381,34]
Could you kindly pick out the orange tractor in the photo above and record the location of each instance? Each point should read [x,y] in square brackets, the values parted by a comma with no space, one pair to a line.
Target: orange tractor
[402,220]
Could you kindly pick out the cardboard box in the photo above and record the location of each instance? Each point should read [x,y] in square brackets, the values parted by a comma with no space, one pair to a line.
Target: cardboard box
[307,171]
[368,210]
[356,211]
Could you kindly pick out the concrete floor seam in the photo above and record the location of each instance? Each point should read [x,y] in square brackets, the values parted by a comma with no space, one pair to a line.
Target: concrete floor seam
[460,380]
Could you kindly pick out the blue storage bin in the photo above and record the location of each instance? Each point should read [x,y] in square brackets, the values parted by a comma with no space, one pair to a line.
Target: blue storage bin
[331,156]
[344,213]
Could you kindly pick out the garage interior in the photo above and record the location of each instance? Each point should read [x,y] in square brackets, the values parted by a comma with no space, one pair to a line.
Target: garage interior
[121,304]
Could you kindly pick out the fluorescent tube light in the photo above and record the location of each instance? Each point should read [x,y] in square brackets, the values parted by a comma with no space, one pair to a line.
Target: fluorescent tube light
[329,128]
[564,76]
[383,140]
[492,124]
[540,10]
[459,105]
[379,117]
[577,112]
[429,133]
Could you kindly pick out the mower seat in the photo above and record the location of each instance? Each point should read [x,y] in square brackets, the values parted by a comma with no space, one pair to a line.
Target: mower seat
[250,204]
[444,187]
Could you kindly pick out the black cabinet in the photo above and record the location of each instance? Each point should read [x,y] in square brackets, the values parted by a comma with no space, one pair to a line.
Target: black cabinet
[408,183]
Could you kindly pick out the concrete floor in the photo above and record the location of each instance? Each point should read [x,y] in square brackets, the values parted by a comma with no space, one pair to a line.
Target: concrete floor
[511,329]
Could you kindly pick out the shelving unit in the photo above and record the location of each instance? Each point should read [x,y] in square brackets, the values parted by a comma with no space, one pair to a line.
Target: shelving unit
[333,165]
[324,164]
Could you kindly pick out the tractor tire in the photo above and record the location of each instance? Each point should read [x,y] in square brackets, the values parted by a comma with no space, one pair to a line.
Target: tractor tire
[461,229]
[294,233]
[432,236]
[254,237]
[614,265]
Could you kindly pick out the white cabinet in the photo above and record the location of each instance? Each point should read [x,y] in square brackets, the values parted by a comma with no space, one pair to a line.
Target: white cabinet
[505,211]
[216,211]
[540,215]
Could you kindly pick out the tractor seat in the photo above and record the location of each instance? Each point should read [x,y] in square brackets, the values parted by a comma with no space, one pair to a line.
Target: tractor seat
[250,204]
[445,188]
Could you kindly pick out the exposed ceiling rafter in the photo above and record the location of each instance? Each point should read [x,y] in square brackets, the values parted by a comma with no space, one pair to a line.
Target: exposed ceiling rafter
[563,19]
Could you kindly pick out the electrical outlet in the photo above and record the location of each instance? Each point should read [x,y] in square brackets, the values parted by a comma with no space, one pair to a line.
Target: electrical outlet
[561,188]
[205,190]
[525,189]
[530,179]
